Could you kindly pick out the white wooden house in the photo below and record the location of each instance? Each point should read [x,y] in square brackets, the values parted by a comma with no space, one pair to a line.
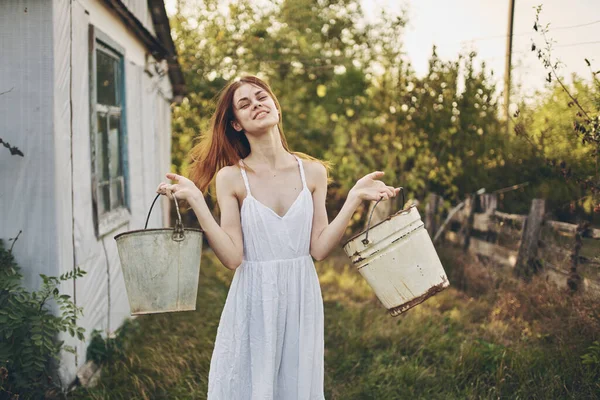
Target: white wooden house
[87,88]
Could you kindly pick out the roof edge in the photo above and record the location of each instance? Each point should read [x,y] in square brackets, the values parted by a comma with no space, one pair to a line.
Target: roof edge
[162,46]
[163,32]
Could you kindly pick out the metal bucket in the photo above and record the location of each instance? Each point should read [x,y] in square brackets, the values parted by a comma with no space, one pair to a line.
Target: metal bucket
[161,267]
[398,260]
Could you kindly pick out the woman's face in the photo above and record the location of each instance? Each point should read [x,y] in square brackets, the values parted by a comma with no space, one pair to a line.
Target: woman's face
[254,109]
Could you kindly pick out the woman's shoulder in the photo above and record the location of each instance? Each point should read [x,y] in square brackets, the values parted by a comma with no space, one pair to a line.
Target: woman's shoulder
[316,173]
[230,169]
[314,167]
[228,172]
[230,179]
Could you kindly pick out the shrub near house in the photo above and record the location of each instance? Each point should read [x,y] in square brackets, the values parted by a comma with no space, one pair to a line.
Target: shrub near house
[28,330]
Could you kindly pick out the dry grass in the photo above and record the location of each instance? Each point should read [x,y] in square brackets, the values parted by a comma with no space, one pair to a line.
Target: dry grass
[487,336]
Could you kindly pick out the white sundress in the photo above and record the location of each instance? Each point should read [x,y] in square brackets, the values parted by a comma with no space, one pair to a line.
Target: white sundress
[269,343]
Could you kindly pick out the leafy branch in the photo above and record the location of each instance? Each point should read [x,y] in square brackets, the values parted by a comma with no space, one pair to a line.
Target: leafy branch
[586,125]
[28,328]
[591,133]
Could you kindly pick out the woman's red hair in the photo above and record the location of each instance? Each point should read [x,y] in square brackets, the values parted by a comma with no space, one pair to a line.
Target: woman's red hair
[222,145]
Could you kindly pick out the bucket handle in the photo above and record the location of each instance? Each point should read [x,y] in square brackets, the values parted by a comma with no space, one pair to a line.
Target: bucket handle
[365,241]
[178,233]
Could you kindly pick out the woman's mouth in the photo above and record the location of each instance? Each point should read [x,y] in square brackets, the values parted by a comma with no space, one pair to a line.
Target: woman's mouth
[260,114]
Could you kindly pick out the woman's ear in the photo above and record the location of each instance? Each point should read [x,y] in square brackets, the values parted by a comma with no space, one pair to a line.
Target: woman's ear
[236,126]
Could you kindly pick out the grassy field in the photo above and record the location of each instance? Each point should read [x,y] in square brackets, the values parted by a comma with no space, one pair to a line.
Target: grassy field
[487,336]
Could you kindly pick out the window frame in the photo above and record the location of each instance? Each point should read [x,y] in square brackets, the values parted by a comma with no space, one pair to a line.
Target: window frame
[113,219]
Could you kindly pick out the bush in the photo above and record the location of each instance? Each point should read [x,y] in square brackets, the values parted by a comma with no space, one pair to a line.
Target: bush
[28,330]
[107,350]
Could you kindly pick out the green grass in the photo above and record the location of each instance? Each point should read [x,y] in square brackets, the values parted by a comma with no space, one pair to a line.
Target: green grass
[487,336]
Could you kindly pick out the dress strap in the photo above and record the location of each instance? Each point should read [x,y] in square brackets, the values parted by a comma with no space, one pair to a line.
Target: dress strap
[243,169]
[301,171]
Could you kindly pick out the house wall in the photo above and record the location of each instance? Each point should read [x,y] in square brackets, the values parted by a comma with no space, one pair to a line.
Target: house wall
[48,193]
[27,197]
[102,292]
[63,185]
[104,19]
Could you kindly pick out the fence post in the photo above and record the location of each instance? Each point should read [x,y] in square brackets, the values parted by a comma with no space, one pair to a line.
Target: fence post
[431,213]
[527,264]
[574,279]
[489,204]
[470,212]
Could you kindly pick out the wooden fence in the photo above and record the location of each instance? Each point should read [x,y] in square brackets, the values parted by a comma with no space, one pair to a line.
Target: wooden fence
[565,253]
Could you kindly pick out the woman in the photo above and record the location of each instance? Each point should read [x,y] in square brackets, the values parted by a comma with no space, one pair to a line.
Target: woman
[269,342]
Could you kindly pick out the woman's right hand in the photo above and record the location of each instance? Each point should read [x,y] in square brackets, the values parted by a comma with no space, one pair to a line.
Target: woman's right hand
[369,187]
[182,189]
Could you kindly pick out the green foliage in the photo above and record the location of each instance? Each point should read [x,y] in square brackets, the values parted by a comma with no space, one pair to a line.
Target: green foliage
[28,329]
[551,154]
[562,131]
[347,93]
[592,358]
[103,351]
[350,96]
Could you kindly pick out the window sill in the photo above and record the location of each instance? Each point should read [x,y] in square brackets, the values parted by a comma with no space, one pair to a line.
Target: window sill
[113,220]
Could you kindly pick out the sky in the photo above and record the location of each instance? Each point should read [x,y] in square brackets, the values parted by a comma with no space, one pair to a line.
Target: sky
[481,25]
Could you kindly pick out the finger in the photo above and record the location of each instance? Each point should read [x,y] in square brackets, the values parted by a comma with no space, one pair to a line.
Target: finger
[376,174]
[172,176]
[174,188]
[161,188]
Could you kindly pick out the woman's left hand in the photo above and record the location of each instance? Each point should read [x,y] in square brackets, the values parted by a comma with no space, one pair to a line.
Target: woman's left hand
[370,188]
[183,189]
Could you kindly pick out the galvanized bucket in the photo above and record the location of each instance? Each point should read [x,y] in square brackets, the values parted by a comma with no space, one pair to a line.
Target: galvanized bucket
[161,267]
[398,260]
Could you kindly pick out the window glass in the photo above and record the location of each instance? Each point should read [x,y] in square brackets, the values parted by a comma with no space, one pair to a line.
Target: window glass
[107,68]
[108,113]
[116,193]
[102,149]
[114,139]
[104,200]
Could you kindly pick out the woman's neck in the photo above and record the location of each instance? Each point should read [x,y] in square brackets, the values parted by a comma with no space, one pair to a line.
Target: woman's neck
[267,150]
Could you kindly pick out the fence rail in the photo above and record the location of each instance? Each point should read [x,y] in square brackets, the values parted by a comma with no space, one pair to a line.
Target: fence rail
[565,253]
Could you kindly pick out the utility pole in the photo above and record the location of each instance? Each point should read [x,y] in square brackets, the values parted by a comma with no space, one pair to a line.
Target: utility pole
[511,14]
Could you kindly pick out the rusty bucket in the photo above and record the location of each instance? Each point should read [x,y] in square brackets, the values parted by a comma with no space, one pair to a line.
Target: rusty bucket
[161,267]
[398,260]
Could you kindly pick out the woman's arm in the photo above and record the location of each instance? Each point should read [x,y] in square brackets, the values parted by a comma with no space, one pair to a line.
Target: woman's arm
[225,240]
[325,236]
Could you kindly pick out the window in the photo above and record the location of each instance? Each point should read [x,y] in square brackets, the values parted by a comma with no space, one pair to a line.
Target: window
[108,136]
